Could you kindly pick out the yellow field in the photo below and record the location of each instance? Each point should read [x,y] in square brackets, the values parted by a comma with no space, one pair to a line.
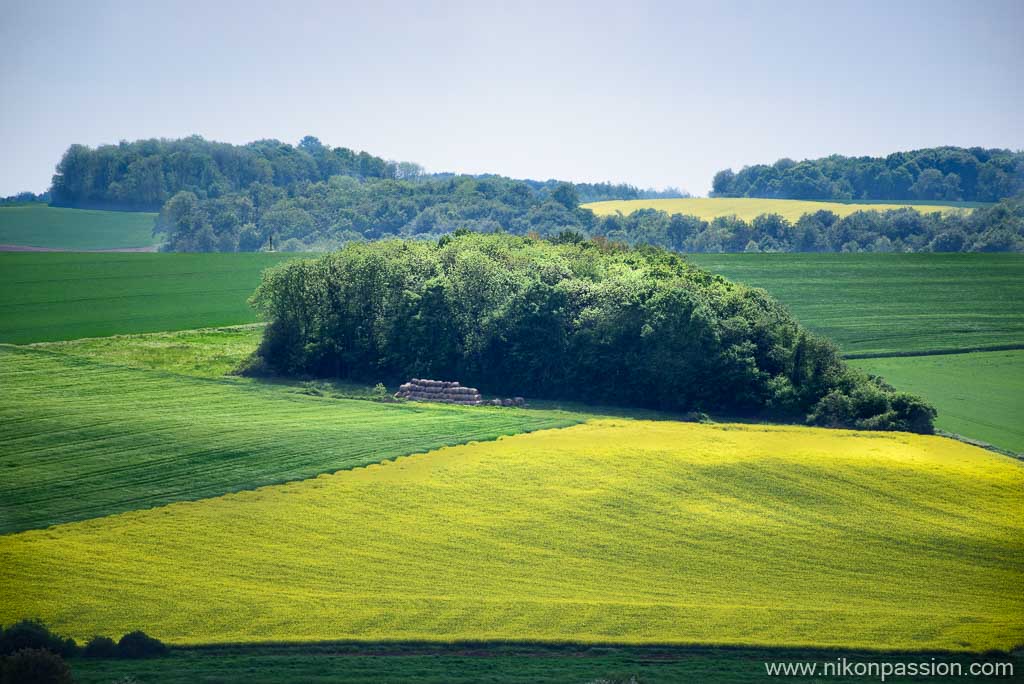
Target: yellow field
[612,531]
[748,208]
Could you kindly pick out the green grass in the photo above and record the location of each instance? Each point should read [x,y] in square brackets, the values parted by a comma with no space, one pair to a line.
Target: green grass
[877,304]
[37,225]
[978,395]
[492,663]
[80,439]
[67,296]
[871,304]
[205,353]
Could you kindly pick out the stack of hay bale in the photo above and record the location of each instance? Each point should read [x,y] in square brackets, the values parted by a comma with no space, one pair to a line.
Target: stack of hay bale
[449,393]
[440,391]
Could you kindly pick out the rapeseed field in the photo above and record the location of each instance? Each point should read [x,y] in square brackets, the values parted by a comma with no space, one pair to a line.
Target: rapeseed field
[749,208]
[611,531]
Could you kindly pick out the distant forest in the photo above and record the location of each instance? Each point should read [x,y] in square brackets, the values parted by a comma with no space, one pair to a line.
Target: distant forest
[311,197]
[938,173]
[144,174]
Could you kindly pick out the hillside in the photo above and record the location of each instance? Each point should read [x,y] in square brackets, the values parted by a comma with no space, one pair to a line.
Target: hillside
[614,531]
[82,439]
[68,296]
[40,226]
[883,304]
[749,208]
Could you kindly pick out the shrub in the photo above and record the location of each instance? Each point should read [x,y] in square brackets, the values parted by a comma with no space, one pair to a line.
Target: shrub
[33,634]
[140,645]
[35,665]
[100,647]
[575,320]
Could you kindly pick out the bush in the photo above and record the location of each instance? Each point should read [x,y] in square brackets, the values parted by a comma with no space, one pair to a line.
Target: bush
[35,666]
[587,321]
[140,645]
[33,634]
[100,647]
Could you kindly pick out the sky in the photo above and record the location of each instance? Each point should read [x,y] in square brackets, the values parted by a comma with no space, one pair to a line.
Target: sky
[655,94]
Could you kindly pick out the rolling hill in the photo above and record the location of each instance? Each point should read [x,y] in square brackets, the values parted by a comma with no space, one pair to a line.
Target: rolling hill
[614,531]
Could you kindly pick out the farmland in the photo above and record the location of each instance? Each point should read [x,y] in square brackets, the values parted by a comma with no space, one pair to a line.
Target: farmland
[871,304]
[38,225]
[81,439]
[979,395]
[748,208]
[398,663]
[68,296]
[614,531]
[880,304]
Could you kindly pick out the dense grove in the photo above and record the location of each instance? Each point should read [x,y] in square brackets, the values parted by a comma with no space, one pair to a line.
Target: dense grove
[144,174]
[938,173]
[582,320]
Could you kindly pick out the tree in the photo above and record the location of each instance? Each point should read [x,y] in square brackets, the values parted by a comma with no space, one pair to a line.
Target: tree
[35,665]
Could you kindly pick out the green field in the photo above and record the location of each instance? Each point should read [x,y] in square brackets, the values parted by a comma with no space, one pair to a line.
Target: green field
[492,663]
[38,225]
[749,208]
[978,395]
[80,439]
[871,304]
[878,304]
[68,296]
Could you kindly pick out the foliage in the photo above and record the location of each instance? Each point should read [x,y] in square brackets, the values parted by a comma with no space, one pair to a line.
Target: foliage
[100,647]
[616,531]
[588,321]
[33,634]
[24,198]
[144,174]
[34,666]
[79,438]
[37,225]
[937,173]
[138,644]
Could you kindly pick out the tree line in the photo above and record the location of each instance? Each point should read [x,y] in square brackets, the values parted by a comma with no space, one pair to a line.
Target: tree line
[329,214]
[144,174]
[939,173]
[573,319]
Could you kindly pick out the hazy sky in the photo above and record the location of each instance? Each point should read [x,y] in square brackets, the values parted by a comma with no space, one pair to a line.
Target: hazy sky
[654,94]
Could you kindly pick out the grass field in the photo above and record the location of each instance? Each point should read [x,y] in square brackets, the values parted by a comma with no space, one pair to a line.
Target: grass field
[68,296]
[613,531]
[870,304]
[37,225]
[492,663]
[748,208]
[79,439]
[204,353]
[978,395]
[876,304]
